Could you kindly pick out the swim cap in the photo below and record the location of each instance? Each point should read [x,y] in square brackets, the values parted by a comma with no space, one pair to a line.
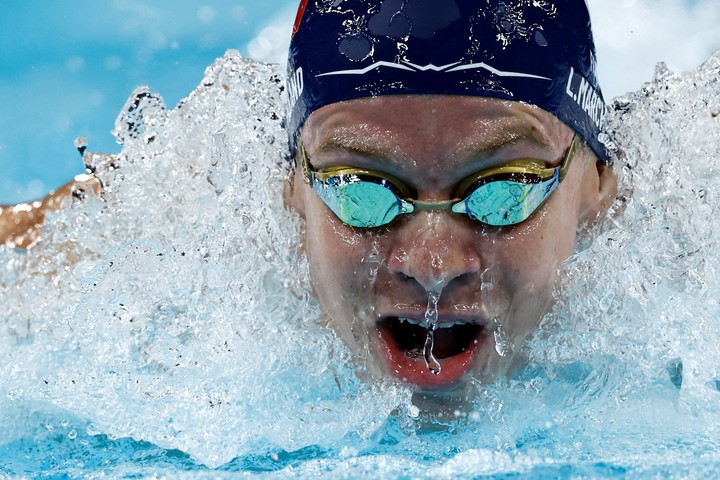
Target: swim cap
[539,52]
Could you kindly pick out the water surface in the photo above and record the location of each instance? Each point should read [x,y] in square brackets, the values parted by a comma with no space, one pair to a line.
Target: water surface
[167,328]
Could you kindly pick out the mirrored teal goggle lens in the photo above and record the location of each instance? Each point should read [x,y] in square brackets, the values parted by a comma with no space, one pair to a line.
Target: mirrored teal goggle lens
[368,204]
[360,203]
[505,202]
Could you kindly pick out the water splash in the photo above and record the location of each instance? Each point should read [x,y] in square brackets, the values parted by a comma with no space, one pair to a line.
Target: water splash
[431,318]
[122,345]
[168,298]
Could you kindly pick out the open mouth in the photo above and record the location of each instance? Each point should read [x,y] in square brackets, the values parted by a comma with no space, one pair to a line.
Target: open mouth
[453,346]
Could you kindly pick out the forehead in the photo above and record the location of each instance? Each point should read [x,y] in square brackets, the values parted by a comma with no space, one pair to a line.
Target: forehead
[438,126]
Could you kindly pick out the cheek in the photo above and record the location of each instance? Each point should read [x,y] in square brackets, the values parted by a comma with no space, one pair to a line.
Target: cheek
[534,251]
[527,262]
[337,255]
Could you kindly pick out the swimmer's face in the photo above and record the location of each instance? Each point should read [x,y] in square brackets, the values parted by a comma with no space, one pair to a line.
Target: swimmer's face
[494,283]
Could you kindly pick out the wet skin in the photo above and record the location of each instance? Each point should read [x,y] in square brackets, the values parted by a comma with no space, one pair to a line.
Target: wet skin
[493,281]
[20,225]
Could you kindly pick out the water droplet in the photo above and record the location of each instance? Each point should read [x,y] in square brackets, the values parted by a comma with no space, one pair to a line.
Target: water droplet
[142,110]
[430,361]
[356,48]
[81,144]
[502,344]
[431,317]
[431,313]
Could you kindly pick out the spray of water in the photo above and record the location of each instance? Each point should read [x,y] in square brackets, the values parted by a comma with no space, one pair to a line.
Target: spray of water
[175,310]
[171,320]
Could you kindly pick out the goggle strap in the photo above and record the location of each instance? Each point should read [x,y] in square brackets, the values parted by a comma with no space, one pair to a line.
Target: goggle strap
[307,173]
[565,166]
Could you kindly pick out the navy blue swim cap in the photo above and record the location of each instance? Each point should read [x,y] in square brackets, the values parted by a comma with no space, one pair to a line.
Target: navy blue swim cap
[540,52]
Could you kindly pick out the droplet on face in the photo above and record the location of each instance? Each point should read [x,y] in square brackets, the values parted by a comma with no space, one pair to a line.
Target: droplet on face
[502,344]
[431,317]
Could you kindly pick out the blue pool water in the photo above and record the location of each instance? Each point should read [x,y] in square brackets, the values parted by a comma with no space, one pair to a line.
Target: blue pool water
[167,329]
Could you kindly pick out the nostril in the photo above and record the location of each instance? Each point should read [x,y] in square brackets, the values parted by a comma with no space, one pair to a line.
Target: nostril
[436,255]
[466,278]
[404,277]
[435,272]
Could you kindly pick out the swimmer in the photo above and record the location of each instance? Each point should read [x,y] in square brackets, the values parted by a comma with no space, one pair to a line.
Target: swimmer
[446,154]
[450,149]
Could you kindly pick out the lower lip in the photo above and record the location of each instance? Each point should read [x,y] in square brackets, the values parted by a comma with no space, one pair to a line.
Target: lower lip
[414,370]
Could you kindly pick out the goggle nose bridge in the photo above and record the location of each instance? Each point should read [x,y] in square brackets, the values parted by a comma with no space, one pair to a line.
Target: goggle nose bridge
[424,206]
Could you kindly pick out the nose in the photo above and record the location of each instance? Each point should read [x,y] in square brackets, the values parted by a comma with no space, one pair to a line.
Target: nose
[435,249]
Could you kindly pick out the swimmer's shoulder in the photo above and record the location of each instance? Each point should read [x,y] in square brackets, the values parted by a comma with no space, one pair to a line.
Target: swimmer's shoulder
[21,224]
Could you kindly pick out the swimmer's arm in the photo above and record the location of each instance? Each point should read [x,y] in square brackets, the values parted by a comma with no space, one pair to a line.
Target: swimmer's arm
[20,225]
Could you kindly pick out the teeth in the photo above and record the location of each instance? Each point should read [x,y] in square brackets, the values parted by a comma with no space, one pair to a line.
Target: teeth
[424,324]
[412,321]
[450,325]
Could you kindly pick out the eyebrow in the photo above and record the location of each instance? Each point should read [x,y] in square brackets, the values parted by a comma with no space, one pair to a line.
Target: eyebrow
[492,143]
[350,141]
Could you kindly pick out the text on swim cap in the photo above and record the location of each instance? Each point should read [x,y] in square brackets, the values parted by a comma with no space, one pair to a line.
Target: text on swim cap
[583,93]
[295,86]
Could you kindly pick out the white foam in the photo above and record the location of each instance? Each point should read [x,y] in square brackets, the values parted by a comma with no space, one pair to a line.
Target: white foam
[176,311]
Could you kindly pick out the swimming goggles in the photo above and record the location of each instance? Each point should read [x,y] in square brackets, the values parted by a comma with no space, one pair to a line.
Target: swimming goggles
[499,196]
